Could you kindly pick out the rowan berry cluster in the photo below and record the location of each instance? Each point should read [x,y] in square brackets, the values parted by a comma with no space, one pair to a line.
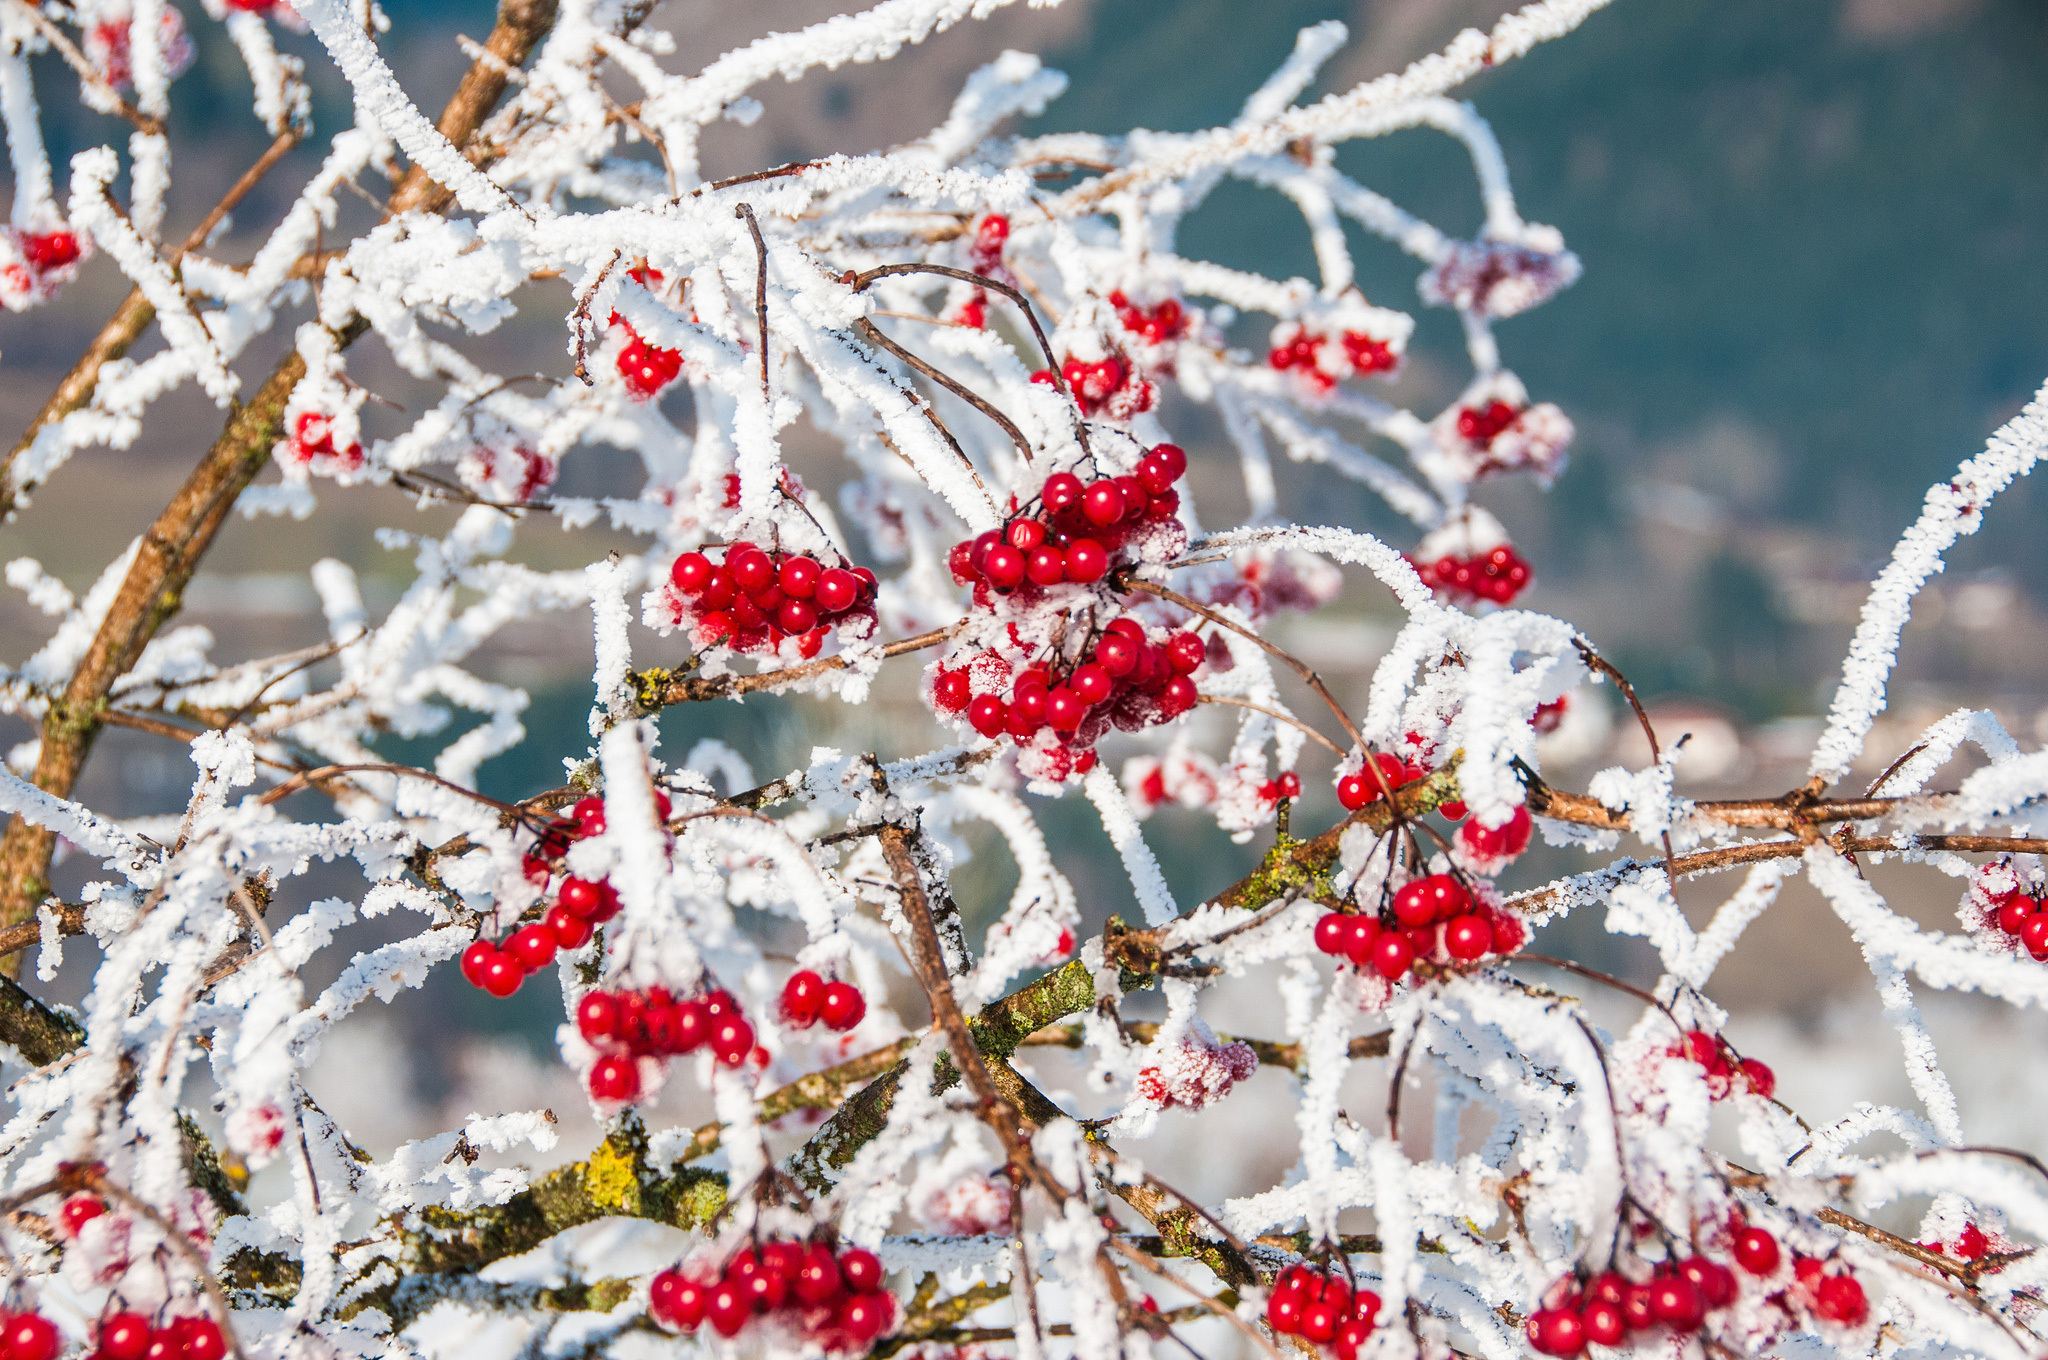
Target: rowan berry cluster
[2016,914]
[580,905]
[1155,325]
[1104,386]
[1434,919]
[1481,424]
[1361,788]
[313,437]
[807,999]
[1288,785]
[128,1336]
[1322,1308]
[626,1026]
[1723,1065]
[1970,1245]
[755,599]
[1486,848]
[1129,680]
[645,368]
[1498,574]
[985,251]
[1324,360]
[834,1299]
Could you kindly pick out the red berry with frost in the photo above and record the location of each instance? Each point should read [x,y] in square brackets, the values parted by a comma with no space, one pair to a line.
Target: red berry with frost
[1186,652]
[1841,1299]
[588,815]
[78,1211]
[802,995]
[692,1025]
[841,1006]
[676,1301]
[1290,784]
[1677,1303]
[1762,1081]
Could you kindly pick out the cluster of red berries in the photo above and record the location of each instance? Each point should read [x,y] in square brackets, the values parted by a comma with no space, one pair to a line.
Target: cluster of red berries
[1308,353]
[754,599]
[834,1298]
[1723,1065]
[1322,1308]
[1155,325]
[1498,575]
[1104,383]
[1970,1244]
[1130,681]
[1480,424]
[630,1025]
[1361,788]
[1678,1297]
[2022,918]
[127,1336]
[645,368]
[580,906]
[990,235]
[808,999]
[1288,785]
[313,437]
[47,250]
[1432,919]
[1494,844]
[1081,528]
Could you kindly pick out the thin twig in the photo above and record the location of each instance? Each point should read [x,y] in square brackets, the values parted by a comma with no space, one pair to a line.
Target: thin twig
[1278,716]
[745,211]
[875,335]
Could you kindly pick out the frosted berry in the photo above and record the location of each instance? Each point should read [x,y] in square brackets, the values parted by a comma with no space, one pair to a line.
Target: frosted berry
[841,1006]
[1762,1081]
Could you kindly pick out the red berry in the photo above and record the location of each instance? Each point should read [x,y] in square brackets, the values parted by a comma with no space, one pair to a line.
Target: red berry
[2034,934]
[1392,955]
[1180,696]
[1103,502]
[799,577]
[580,897]
[1283,1311]
[841,1006]
[502,974]
[783,1259]
[762,1287]
[1333,932]
[950,691]
[1557,1331]
[862,1270]
[752,570]
[1062,489]
[1841,1300]
[817,1279]
[987,715]
[1604,1323]
[597,1016]
[1045,566]
[865,1316]
[570,932]
[1715,1282]
[1170,456]
[1186,652]
[1025,534]
[1090,682]
[1446,895]
[797,616]
[1412,906]
[676,1301]
[1290,784]
[1676,1303]
[78,1211]
[588,814]
[1064,709]
[49,250]
[198,1339]
[691,573]
[801,997]
[1468,937]
[1354,791]
[1086,561]
[1638,1309]
[1761,1079]
[473,960]
[1364,934]
[2014,911]
[124,1336]
[1971,1243]
[533,945]
[692,1025]
[1117,654]
[1004,567]
[731,1040]
[1351,1336]
[1756,1251]
[615,1078]
[837,590]
[1153,476]
[728,1308]
[1319,1321]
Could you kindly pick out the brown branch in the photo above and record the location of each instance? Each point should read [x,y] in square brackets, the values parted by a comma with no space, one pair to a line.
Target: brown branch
[1277,716]
[1052,363]
[1270,1053]
[746,211]
[15,938]
[959,389]
[656,689]
[1124,582]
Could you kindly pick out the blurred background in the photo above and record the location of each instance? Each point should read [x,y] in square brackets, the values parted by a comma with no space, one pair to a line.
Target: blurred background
[1814,236]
